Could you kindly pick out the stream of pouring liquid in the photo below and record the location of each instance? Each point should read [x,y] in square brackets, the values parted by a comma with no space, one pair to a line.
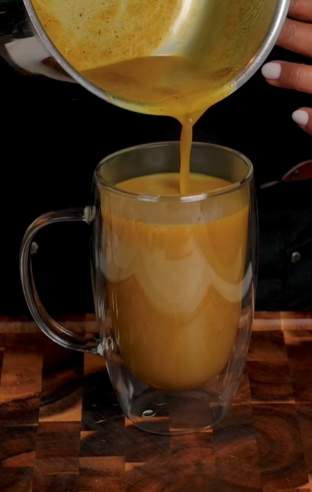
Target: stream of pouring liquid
[169,86]
[186,139]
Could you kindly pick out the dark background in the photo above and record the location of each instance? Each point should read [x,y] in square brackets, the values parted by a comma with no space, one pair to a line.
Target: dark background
[53,135]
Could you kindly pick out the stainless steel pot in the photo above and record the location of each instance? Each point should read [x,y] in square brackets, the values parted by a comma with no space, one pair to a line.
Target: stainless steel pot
[26,46]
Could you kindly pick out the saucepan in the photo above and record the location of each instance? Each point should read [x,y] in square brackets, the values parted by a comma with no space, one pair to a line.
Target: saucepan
[26,42]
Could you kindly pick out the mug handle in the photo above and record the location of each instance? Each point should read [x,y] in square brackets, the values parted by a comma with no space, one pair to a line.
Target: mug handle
[49,326]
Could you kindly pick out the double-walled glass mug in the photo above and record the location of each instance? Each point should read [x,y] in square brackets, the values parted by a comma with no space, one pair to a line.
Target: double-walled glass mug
[173,282]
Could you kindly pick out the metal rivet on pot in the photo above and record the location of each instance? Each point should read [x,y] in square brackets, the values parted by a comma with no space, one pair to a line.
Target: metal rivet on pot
[34,248]
[296,173]
[295,257]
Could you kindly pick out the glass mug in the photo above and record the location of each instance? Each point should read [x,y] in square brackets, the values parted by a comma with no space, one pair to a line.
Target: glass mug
[173,283]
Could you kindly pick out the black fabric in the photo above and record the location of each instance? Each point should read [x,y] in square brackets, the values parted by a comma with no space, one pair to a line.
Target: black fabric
[255,120]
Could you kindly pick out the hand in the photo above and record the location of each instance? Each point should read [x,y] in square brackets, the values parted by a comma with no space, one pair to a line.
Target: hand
[296,36]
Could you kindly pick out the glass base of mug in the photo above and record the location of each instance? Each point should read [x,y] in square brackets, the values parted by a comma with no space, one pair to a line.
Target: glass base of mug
[167,412]
[170,413]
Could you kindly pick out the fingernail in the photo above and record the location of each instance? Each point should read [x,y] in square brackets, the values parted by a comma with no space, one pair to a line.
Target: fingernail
[301,117]
[272,71]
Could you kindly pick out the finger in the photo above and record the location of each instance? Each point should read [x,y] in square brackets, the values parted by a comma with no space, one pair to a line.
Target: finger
[301,10]
[296,36]
[289,75]
[303,117]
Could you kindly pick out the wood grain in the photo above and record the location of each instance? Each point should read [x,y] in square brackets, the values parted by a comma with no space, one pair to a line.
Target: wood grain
[62,430]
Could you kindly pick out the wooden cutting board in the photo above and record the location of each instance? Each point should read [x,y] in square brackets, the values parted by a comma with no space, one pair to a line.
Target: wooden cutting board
[61,428]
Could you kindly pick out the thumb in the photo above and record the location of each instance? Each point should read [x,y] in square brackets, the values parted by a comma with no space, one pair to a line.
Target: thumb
[303,117]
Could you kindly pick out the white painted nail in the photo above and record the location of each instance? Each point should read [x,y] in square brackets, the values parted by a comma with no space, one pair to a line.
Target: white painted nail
[301,117]
[272,71]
